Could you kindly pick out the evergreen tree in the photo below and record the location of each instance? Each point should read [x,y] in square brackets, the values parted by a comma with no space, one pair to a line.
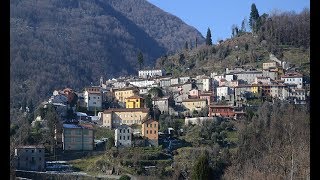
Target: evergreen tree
[196,42]
[140,59]
[201,170]
[254,18]
[208,38]
[186,46]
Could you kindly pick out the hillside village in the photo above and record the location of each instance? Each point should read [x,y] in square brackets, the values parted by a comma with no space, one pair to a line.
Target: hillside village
[131,110]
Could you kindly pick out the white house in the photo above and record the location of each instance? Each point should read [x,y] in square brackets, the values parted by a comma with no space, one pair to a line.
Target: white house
[229,77]
[293,78]
[142,83]
[123,136]
[93,98]
[222,91]
[150,73]
[206,84]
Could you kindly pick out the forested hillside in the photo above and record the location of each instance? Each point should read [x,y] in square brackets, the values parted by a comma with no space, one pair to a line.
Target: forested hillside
[285,34]
[67,43]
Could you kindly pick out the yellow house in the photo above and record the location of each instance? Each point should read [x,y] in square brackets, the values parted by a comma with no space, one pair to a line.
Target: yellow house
[134,102]
[194,104]
[254,88]
[123,93]
[113,118]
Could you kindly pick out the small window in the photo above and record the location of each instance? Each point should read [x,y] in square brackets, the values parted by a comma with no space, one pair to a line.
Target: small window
[147,131]
[124,138]
[151,125]
[120,130]
[128,137]
[128,130]
[155,125]
[120,137]
[155,132]
[32,151]
[39,150]
[150,131]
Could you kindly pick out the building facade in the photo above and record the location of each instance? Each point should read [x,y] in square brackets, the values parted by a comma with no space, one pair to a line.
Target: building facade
[93,98]
[150,73]
[134,102]
[123,136]
[149,130]
[113,118]
[123,93]
[194,104]
[30,158]
[78,137]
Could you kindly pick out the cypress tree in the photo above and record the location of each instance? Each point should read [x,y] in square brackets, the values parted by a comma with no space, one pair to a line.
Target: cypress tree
[140,59]
[208,38]
[254,17]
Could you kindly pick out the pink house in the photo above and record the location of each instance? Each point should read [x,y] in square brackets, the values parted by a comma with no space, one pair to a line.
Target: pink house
[207,95]
[194,93]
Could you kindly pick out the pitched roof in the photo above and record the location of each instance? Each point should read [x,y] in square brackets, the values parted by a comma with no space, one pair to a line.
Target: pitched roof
[126,110]
[149,121]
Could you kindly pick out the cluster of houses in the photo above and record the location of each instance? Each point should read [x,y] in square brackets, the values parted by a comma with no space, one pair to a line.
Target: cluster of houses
[222,95]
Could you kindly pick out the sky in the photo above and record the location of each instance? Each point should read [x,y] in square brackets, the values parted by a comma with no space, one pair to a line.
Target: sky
[220,15]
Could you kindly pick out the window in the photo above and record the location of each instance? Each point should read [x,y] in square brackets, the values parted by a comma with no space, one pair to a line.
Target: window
[147,131]
[151,125]
[128,137]
[120,137]
[39,150]
[155,132]
[120,130]
[155,125]
[150,131]
[124,138]
[32,151]
[128,130]
[147,125]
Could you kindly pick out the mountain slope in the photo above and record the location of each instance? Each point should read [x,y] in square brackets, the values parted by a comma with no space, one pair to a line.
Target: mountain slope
[69,43]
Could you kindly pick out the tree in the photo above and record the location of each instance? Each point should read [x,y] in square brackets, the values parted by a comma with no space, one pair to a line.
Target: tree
[254,17]
[243,26]
[140,59]
[186,46]
[201,170]
[110,142]
[196,42]
[208,38]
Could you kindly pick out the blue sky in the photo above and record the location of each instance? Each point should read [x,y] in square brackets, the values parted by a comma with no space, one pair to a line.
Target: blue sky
[220,15]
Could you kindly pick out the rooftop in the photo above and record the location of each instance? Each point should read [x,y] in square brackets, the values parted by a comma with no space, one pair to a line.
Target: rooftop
[149,121]
[126,110]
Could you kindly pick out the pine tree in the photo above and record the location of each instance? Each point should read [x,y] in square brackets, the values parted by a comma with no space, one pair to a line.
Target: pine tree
[208,38]
[254,18]
[140,59]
